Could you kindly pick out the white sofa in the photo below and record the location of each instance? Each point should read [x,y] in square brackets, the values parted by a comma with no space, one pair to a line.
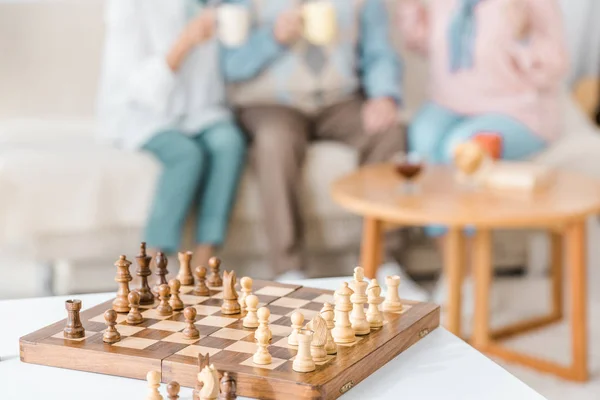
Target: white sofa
[65,198]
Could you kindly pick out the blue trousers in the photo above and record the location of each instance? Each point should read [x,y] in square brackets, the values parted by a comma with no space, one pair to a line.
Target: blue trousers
[206,167]
[436,131]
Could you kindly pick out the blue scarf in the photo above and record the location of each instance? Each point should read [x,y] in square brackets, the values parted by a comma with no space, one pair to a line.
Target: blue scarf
[461,35]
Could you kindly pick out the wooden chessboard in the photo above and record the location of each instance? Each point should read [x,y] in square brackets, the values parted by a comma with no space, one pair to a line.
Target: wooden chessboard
[158,344]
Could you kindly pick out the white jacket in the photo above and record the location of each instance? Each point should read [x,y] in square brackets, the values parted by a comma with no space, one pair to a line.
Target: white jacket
[139,95]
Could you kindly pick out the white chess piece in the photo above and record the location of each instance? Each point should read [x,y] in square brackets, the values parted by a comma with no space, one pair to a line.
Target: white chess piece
[374,316]
[359,299]
[392,301]
[262,356]
[263,320]
[251,318]
[153,378]
[303,361]
[297,319]
[328,315]
[246,284]
[343,332]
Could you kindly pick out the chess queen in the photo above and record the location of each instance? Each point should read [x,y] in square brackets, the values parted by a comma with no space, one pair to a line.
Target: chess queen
[162,93]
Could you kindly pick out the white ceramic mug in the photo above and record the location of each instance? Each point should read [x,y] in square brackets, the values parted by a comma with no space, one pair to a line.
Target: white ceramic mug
[320,23]
[233,21]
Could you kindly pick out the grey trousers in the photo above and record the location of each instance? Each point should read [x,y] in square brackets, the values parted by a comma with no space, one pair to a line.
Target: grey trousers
[280,137]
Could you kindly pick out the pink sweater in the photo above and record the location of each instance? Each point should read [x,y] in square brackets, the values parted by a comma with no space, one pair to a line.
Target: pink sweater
[510,77]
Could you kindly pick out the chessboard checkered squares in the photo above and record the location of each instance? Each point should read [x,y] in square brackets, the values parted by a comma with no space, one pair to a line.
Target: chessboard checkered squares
[284,343]
[214,320]
[172,326]
[232,334]
[129,330]
[178,337]
[193,351]
[61,335]
[185,289]
[275,362]
[147,306]
[274,291]
[191,299]
[290,303]
[207,310]
[132,342]
[153,314]
[242,347]
[324,298]
[100,318]
[280,330]
[308,314]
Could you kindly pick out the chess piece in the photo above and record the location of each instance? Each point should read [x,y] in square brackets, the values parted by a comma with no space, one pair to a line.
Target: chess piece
[374,316]
[185,270]
[143,271]
[134,317]
[214,279]
[297,319]
[74,328]
[230,297]
[358,319]
[251,318]
[153,378]
[228,387]
[164,308]
[173,390]
[209,378]
[392,300]
[203,361]
[200,289]
[262,355]
[161,262]
[317,346]
[175,301]
[328,315]
[303,361]
[342,331]
[263,320]
[246,284]
[190,331]
[121,303]
[111,335]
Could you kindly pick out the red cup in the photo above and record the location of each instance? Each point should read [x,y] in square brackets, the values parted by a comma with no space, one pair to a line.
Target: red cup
[491,143]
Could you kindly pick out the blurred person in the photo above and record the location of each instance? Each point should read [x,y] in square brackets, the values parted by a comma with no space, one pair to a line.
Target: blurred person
[340,82]
[162,92]
[496,67]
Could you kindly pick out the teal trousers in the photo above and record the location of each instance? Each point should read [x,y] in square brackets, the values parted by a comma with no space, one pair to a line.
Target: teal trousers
[201,170]
[436,131]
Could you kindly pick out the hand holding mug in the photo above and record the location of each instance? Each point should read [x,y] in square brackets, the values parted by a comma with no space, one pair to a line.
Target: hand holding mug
[288,27]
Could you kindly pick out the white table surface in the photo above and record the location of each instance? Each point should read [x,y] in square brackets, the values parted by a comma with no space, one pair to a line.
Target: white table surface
[440,366]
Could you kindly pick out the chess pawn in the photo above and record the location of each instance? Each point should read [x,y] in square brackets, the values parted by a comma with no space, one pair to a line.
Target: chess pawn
[185,272]
[358,319]
[164,308]
[214,279]
[342,331]
[246,284]
[175,301]
[297,319]
[173,390]
[319,339]
[328,315]
[262,356]
[374,316]
[111,335]
[121,303]
[228,387]
[392,300]
[200,289]
[134,317]
[251,318]
[190,331]
[304,361]
[74,328]
[263,320]
[153,378]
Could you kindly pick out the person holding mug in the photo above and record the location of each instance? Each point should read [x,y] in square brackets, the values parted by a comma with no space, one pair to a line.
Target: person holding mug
[495,71]
[162,93]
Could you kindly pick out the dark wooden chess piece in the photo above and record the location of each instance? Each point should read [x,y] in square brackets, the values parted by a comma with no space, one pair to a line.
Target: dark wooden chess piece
[74,329]
[200,289]
[214,279]
[228,387]
[161,262]
[143,271]
[134,317]
[164,308]
[185,271]
[190,331]
[121,303]
[111,335]
[173,390]
[230,297]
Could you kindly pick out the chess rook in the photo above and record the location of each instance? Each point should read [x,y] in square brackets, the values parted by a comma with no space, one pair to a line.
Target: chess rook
[342,331]
[228,387]
[175,301]
[111,335]
[164,308]
[173,390]
[134,317]
[262,336]
[246,285]
[73,329]
[251,318]
[161,262]
[185,271]
[358,319]
[190,331]
[121,303]
[153,379]
[200,289]
[374,315]
[304,361]
[214,279]
[392,300]
[328,315]
[143,271]
[230,304]
[297,319]
[319,339]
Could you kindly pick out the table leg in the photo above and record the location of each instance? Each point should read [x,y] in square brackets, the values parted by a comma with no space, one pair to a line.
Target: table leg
[556,273]
[372,246]
[482,273]
[454,264]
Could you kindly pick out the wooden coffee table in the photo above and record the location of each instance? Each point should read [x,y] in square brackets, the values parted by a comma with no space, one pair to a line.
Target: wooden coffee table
[561,209]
